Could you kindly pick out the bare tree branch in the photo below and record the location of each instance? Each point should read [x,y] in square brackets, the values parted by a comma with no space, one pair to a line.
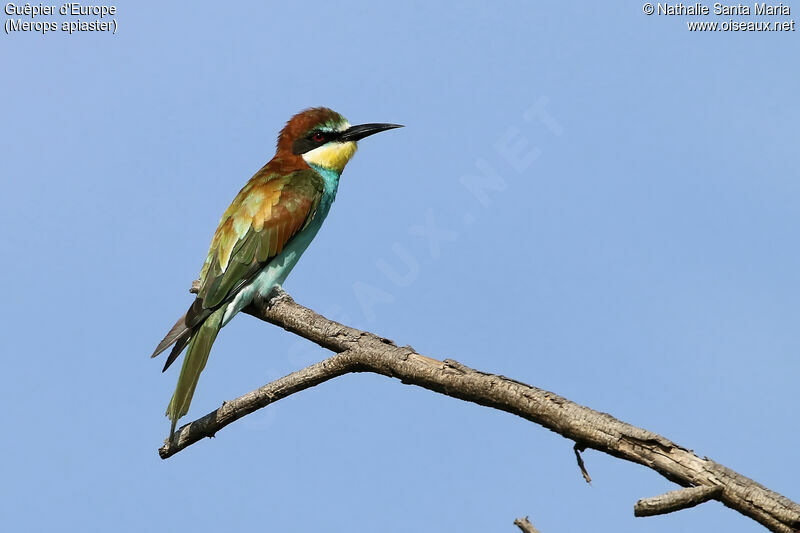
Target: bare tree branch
[360,351]
[676,500]
[525,525]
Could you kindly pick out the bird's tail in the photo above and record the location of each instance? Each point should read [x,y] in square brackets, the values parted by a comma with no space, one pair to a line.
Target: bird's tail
[178,332]
[200,342]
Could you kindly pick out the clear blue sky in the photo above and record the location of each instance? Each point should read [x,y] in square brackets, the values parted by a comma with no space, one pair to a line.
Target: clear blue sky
[638,255]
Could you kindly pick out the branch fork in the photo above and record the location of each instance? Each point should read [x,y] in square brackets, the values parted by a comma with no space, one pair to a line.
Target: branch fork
[361,351]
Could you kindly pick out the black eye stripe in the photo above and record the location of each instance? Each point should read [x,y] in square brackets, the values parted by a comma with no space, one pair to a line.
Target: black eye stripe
[308,142]
[327,136]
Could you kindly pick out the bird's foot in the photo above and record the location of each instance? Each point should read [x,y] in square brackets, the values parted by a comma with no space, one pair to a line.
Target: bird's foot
[275,295]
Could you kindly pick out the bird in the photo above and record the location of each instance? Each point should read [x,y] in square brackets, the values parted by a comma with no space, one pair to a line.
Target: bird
[261,236]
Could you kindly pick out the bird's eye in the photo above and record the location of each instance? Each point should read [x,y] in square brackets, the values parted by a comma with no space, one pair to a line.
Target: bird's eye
[318,137]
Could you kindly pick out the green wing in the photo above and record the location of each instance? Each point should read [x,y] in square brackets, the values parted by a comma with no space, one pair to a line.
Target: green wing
[261,220]
[263,217]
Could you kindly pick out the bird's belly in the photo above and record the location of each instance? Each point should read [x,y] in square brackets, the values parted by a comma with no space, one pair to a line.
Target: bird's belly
[275,272]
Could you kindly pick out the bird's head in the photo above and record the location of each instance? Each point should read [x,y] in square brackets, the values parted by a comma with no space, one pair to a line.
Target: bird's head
[324,138]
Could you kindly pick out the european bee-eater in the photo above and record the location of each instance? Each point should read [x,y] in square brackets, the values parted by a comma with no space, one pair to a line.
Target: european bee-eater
[262,235]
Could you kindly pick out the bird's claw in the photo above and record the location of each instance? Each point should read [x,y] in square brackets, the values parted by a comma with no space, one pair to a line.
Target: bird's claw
[276,294]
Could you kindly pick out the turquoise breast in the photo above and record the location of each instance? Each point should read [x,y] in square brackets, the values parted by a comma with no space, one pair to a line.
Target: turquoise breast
[276,271]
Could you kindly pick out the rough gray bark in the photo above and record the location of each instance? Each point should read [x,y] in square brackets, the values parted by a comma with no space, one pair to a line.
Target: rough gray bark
[525,525]
[360,351]
[676,500]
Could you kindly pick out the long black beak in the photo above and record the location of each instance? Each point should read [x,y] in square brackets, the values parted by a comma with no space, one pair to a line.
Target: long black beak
[356,133]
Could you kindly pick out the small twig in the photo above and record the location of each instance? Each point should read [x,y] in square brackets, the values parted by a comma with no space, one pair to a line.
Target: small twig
[676,500]
[525,525]
[578,449]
